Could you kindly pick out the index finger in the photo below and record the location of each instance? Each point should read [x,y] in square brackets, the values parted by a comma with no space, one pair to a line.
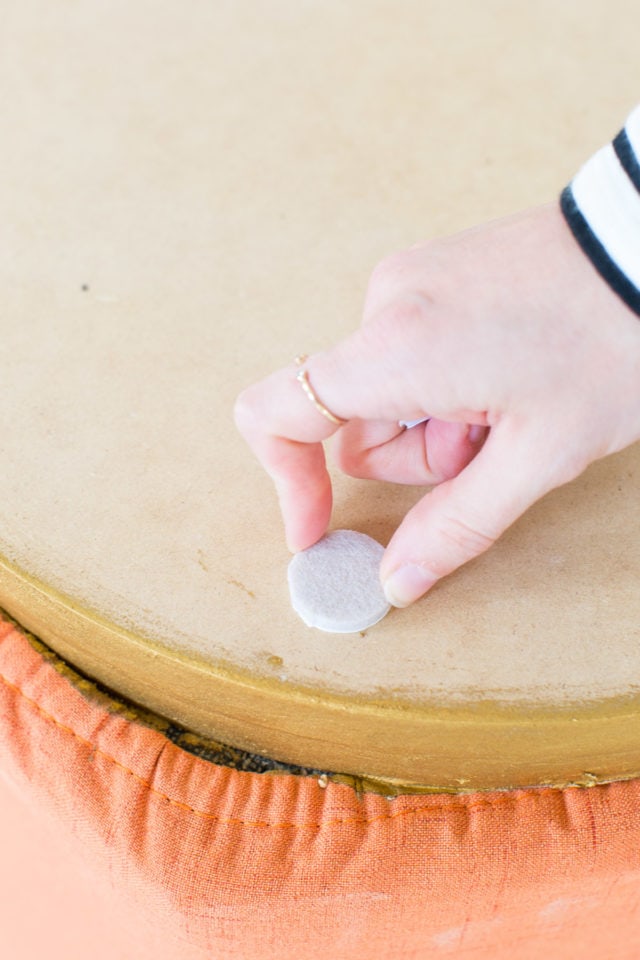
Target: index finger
[359,377]
[285,430]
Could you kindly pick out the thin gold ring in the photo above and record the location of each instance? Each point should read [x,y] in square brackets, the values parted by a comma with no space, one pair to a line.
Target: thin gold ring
[303,379]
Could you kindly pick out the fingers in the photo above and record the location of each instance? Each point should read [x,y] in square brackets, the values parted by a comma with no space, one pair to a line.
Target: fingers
[285,431]
[285,428]
[464,516]
[371,375]
[428,453]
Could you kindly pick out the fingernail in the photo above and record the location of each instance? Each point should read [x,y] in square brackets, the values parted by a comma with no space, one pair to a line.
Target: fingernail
[406,584]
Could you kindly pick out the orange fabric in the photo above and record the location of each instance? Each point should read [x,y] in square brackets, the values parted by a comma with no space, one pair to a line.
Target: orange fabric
[185,860]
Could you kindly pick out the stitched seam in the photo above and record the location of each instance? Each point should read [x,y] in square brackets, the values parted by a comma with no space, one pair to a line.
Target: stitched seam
[435,809]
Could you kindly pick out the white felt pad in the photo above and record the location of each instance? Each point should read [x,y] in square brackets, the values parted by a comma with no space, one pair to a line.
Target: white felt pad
[335,584]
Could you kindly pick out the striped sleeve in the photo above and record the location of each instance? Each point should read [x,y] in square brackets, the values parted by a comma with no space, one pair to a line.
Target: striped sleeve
[602,207]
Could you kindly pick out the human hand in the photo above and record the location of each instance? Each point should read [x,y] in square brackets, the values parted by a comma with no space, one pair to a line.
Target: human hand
[507,338]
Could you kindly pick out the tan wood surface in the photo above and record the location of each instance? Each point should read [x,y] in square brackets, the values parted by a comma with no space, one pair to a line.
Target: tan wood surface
[190,197]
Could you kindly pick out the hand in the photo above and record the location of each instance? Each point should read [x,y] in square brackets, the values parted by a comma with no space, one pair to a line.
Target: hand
[508,339]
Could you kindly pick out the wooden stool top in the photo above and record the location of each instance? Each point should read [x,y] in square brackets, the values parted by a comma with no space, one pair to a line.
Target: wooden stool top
[190,201]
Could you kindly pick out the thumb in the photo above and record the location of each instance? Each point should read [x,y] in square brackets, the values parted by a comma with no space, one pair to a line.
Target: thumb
[463,517]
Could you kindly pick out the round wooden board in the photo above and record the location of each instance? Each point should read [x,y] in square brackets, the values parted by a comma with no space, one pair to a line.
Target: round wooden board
[189,202]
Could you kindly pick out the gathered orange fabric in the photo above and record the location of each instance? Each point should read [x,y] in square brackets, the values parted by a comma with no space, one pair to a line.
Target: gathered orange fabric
[187,860]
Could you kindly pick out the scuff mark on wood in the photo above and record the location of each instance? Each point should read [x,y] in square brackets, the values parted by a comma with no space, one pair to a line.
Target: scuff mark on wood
[240,585]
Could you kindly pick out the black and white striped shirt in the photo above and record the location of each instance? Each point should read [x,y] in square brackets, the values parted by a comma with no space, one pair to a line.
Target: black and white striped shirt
[602,207]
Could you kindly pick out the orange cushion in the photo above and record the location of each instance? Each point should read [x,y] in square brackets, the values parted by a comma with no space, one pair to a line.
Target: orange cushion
[182,859]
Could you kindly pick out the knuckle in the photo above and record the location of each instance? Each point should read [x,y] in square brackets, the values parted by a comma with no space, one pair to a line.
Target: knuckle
[402,295]
[389,278]
[348,457]
[391,269]
[352,463]
[466,539]
[414,269]
[403,321]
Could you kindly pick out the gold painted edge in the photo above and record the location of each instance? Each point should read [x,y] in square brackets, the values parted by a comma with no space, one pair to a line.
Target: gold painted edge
[390,746]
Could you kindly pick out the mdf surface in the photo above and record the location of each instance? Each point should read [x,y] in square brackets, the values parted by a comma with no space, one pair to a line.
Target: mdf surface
[189,199]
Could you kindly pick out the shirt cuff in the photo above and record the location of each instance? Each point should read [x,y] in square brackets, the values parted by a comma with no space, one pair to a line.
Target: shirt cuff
[602,208]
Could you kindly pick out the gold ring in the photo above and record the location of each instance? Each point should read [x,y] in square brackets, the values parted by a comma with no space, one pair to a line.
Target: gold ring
[303,379]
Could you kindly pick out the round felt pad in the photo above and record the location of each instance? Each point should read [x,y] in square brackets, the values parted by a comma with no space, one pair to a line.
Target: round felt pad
[335,584]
